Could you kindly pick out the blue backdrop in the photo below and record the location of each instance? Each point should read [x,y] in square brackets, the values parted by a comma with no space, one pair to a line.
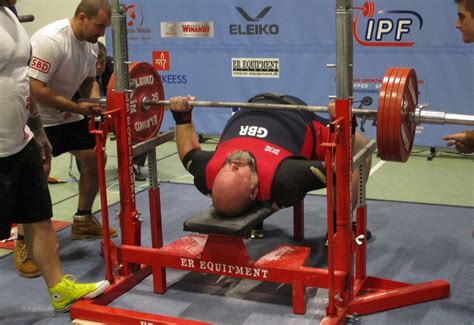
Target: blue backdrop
[230,50]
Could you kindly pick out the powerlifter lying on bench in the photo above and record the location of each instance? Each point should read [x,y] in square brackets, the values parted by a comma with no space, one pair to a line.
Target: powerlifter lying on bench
[264,156]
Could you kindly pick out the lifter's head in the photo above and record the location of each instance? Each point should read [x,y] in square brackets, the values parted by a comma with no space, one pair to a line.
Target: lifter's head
[91,19]
[235,187]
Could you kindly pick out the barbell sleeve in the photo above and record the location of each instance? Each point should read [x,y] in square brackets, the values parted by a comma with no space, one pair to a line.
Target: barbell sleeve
[433,117]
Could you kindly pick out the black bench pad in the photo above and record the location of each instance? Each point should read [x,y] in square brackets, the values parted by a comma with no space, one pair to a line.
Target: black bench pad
[209,222]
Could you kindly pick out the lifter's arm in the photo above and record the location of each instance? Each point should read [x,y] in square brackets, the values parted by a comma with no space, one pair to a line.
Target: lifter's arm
[186,137]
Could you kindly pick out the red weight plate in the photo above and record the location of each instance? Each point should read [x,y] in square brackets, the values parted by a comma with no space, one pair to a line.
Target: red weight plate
[395,128]
[383,89]
[402,129]
[382,113]
[408,101]
[145,121]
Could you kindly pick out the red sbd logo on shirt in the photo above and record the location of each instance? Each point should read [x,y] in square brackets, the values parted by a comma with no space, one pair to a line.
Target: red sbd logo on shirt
[161,60]
[40,65]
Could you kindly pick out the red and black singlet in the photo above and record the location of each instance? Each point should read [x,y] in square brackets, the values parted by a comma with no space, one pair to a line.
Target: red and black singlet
[272,137]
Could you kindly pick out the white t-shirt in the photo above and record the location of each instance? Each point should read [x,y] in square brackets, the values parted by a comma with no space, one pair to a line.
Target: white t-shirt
[63,62]
[15,53]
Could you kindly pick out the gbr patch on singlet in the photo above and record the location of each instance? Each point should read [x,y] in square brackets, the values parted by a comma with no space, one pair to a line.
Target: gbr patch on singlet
[286,129]
[40,65]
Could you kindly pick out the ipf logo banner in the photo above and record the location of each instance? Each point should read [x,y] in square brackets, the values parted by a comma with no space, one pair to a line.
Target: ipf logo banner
[387,24]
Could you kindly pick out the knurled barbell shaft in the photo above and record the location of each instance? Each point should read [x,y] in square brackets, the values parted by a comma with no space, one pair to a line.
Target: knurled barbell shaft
[245,105]
[419,117]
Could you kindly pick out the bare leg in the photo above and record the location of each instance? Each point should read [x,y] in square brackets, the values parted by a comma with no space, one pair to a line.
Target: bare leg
[88,181]
[42,245]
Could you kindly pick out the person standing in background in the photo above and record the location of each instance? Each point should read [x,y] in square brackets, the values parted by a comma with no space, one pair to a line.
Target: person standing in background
[464,141]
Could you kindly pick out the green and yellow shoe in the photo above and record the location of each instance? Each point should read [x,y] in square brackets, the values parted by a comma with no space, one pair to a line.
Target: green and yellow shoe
[67,291]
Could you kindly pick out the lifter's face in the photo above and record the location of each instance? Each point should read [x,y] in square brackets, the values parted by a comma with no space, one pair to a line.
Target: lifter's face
[240,165]
[238,168]
[465,23]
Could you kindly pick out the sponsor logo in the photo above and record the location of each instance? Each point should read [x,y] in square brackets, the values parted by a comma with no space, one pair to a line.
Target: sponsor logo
[135,19]
[161,60]
[144,81]
[388,28]
[187,29]
[256,67]
[131,11]
[253,131]
[254,27]
[146,124]
[176,79]
[209,266]
[40,65]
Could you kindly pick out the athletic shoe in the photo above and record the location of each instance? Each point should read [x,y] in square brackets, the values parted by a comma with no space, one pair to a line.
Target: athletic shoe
[23,264]
[89,228]
[67,291]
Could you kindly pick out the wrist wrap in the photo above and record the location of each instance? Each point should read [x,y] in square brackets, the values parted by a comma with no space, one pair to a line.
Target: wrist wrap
[182,117]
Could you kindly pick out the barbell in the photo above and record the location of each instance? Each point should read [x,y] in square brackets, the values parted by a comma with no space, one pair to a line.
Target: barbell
[397,114]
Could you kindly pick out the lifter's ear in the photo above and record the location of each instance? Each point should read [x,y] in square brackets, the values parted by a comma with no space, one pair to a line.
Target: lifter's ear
[254,193]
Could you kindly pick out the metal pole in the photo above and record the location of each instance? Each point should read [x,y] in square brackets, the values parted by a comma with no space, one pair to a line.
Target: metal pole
[130,223]
[120,47]
[343,249]
[344,50]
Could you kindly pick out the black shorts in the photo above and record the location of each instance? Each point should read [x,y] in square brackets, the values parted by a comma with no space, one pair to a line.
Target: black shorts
[24,193]
[70,136]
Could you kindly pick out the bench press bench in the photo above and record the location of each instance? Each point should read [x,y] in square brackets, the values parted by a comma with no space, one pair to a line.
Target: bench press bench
[209,222]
